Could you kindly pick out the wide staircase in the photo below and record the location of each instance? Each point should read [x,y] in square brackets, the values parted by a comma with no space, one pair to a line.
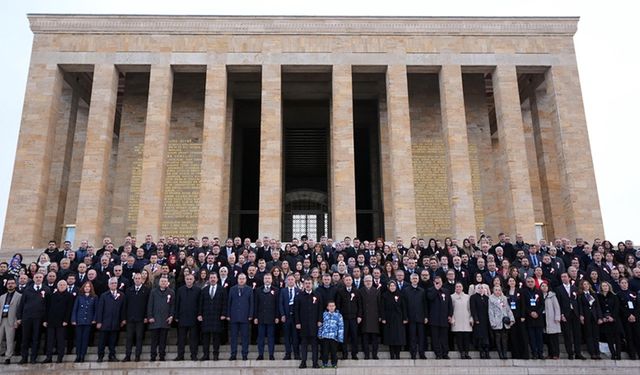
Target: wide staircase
[383,366]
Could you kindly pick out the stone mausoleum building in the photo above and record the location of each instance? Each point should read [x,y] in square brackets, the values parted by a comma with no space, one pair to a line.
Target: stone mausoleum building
[282,126]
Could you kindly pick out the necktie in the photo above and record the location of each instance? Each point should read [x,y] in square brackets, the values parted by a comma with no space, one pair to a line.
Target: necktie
[212,291]
[37,288]
[290,294]
[137,289]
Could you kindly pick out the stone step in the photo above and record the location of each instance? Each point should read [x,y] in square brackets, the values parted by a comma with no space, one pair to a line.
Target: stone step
[380,367]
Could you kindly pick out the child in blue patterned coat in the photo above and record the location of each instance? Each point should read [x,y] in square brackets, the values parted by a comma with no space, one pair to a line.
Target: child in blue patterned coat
[330,333]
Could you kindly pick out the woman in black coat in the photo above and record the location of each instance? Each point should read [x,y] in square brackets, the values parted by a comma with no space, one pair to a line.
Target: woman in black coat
[393,314]
[591,317]
[58,317]
[479,304]
[611,326]
[518,332]
[212,314]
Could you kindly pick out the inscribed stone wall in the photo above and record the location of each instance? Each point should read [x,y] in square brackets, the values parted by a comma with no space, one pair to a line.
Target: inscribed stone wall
[433,216]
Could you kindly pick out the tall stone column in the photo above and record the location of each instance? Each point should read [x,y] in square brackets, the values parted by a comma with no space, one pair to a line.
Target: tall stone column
[454,127]
[211,217]
[401,160]
[579,189]
[517,187]
[271,172]
[29,185]
[154,156]
[343,185]
[97,154]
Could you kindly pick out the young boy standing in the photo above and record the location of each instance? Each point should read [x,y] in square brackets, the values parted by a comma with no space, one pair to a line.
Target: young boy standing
[330,333]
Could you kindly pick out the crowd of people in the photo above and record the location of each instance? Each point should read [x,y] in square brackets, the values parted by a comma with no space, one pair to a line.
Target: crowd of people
[327,297]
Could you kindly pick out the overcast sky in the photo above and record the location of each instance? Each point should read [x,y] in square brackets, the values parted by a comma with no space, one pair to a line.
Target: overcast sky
[606,44]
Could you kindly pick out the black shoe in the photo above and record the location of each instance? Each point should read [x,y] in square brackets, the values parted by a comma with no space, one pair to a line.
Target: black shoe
[580,356]
[59,360]
[260,358]
[303,364]
[315,365]
[422,356]
[287,357]
[152,359]
[232,358]
[113,359]
[162,359]
[245,358]
[345,356]
[47,360]
[486,355]
[413,356]
[446,356]
[215,357]
[194,358]
[100,359]
[272,358]
[127,358]
[179,358]
[296,357]
[137,358]
[33,361]
[23,361]
[366,356]
[375,356]
[354,357]
[7,361]
[204,358]
[466,356]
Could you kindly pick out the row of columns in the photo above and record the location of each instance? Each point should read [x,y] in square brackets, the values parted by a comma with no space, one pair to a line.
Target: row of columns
[24,218]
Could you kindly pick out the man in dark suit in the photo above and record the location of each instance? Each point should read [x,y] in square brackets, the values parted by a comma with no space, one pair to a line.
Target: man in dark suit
[135,311]
[570,316]
[348,301]
[266,315]
[212,312]
[58,317]
[33,306]
[240,308]
[187,304]
[440,316]
[287,299]
[416,301]
[308,317]
[109,319]
[532,312]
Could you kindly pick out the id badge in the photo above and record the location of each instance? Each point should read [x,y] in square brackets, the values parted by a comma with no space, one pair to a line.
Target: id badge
[630,305]
[513,305]
[532,302]
[5,309]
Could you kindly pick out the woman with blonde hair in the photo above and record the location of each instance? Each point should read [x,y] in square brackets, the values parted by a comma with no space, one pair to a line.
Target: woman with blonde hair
[611,325]
[463,322]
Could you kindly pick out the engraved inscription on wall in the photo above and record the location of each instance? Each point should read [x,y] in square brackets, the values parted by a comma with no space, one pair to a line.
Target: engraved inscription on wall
[182,188]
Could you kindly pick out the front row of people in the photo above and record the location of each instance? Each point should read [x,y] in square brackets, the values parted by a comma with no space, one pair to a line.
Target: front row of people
[399,312]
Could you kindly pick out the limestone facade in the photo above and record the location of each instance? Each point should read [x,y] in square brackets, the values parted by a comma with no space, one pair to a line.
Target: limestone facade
[481,125]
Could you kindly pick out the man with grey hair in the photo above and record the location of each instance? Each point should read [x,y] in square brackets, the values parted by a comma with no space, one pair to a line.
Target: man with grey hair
[109,319]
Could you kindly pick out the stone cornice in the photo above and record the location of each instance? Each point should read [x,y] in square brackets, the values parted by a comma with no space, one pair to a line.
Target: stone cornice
[298,25]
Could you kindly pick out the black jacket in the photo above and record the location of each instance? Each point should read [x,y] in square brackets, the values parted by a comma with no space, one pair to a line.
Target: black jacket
[327,294]
[532,300]
[416,301]
[186,306]
[59,306]
[569,306]
[266,308]
[135,304]
[347,303]
[440,307]
[308,310]
[33,305]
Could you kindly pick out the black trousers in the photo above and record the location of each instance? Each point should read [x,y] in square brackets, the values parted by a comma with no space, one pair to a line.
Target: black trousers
[107,338]
[135,334]
[553,343]
[502,340]
[462,341]
[440,340]
[370,344]
[518,337]
[416,338]
[329,347]
[632,338]
[159,342]
[193,340]
[612,337]
[71,332]
[591,334]
[305,341]
[207,338]
[56,338]
[572,334]
[350,336]
[30,337]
